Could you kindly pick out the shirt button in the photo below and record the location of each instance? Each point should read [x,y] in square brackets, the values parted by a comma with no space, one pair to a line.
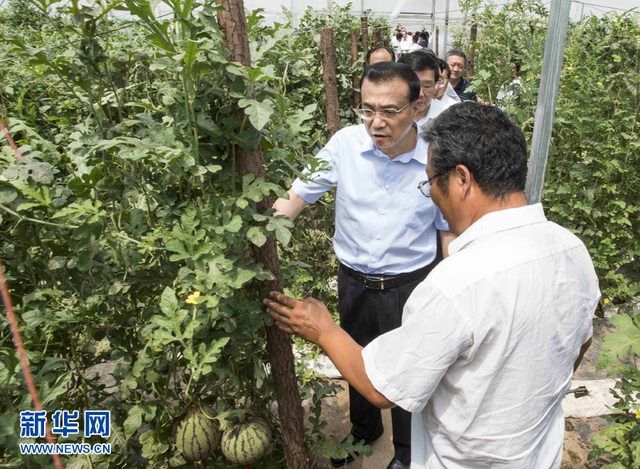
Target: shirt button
[378,237]
[386,187]
[374,260]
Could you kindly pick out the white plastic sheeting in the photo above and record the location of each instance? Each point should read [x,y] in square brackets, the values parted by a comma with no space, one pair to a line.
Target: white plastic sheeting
[424,14]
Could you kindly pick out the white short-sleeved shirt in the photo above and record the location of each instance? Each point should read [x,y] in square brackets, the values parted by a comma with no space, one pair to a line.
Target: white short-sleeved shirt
[487,345]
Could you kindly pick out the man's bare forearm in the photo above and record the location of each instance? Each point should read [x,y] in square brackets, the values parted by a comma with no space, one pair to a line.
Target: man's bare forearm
[290,207]
[346,355]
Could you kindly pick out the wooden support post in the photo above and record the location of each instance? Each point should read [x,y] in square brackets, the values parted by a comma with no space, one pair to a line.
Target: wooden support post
[330,80]
[365,34]
[437,39]
[376,39]
[472,52]
[233,24]
[355,77]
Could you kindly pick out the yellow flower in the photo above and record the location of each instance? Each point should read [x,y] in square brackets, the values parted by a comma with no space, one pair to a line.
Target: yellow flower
[606,301]
[193,297]
[600,83]
[638,414]
[604,186]
[569,68]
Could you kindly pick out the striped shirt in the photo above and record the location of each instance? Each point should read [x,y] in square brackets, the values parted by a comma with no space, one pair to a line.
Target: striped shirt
[464,95]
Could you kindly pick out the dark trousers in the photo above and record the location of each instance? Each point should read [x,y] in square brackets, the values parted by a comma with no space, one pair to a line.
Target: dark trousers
[365,314]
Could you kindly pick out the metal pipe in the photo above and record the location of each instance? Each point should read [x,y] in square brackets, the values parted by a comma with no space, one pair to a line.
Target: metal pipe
[547,97]
[433,17]
[445,44]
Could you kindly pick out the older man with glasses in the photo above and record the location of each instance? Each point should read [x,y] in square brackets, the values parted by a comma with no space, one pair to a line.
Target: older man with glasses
[385,234]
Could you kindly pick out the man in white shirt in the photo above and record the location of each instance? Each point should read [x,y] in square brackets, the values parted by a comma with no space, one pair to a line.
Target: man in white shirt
[444,91]
[404,44]
[395,43]
[490,339]
[415,46]
[425,64]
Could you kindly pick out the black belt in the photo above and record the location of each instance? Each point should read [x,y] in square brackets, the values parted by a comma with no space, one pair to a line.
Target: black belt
[382,281]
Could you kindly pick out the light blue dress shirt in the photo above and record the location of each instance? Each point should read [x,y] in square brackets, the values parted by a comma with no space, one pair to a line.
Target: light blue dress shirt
[384,225]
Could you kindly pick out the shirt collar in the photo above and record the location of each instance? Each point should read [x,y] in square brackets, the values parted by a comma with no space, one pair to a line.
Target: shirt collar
[419,153]
[495,222]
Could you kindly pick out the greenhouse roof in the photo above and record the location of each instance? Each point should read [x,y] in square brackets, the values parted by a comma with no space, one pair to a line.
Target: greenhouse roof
[419,14]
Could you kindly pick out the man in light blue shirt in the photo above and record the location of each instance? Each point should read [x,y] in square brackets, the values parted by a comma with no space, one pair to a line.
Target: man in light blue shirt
[385,235]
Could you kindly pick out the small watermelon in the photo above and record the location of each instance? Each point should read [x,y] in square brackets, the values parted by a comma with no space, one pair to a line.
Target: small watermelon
[247,442]
[196,435]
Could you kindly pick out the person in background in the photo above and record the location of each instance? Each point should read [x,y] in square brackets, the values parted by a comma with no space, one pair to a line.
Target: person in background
[398,41]
[385,235]
[424,40]
[509,93]
[425,64]
[379,54]
[405,43]
[490,340]
[457,61]
[395,42]
[444,91]
[415,46]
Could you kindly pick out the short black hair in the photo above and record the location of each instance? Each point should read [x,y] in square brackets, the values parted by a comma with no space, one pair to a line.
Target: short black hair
[424,36]
[388,71]
[398,36]
[371,51]
[483,139]
[421,60]
[444,66]
[457,52]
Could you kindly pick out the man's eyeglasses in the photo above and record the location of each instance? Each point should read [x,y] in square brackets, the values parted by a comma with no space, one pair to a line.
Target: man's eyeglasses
[425,186]
[386,114]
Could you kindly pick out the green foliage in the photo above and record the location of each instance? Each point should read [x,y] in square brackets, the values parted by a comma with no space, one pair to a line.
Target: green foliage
[23,14]
[126,232]
[592,184]
[622,440]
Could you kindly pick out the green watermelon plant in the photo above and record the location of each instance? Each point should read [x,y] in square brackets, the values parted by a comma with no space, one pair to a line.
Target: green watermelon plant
[125,233]
[620,350]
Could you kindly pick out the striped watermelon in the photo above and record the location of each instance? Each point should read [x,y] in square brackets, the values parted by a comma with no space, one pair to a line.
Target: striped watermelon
[247,442]
[196,435]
